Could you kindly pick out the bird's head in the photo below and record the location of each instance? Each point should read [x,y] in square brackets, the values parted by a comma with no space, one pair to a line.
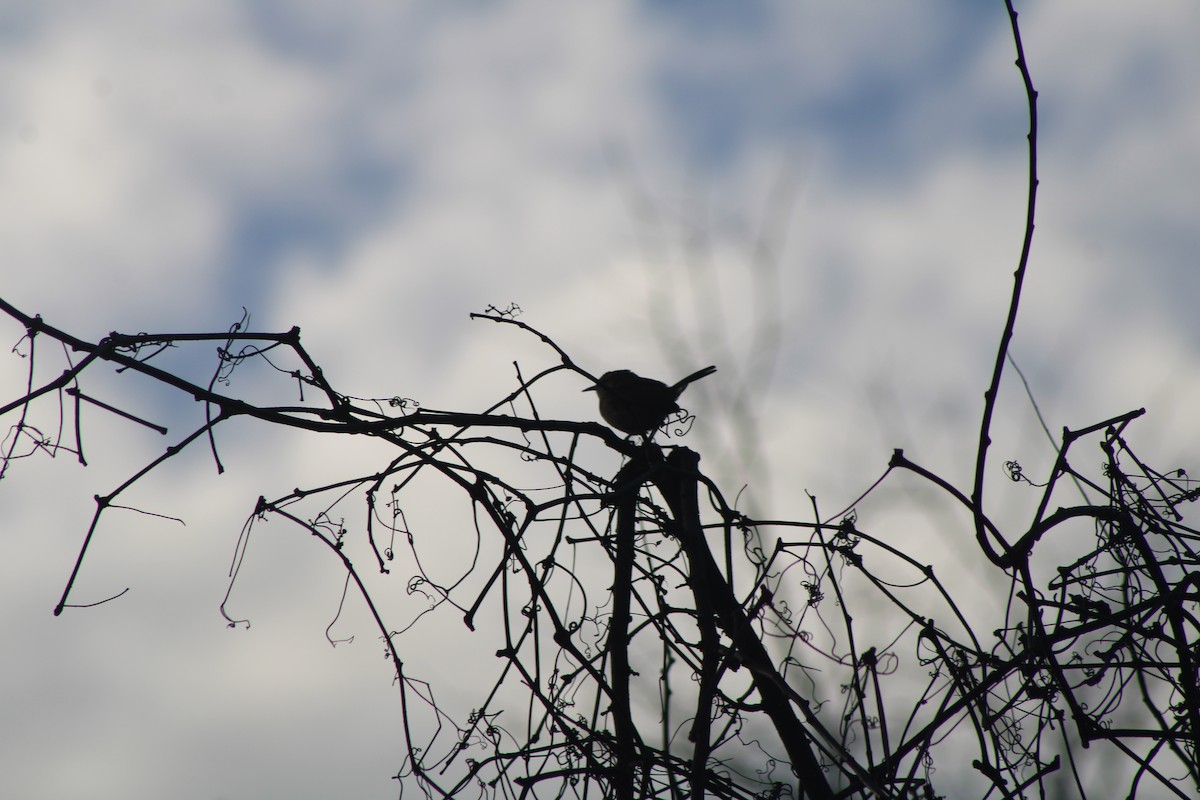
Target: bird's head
[612,381]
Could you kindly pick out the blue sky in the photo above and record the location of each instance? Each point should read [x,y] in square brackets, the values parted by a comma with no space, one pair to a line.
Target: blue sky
[373,172]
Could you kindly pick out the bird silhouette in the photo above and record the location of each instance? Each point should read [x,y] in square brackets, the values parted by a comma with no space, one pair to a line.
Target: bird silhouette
[638,405]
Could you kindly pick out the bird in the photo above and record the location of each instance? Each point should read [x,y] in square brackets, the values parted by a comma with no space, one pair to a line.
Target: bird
[638,405]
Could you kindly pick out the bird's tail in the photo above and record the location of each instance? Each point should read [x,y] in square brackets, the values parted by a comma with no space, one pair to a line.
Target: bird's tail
[695,376]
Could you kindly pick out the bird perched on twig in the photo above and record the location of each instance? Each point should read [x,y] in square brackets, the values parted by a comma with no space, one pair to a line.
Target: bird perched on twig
[634,404]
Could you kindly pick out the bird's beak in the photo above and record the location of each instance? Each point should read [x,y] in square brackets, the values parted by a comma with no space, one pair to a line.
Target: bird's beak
[591,388]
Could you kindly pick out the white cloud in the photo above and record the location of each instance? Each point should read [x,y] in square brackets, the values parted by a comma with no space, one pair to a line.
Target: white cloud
[419,165]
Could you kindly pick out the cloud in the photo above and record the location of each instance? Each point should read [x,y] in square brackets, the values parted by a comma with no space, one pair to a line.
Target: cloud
[373,174]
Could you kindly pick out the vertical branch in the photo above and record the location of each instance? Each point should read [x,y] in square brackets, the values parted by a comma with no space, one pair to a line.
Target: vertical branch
[618,645]
[989,397]
[710,664]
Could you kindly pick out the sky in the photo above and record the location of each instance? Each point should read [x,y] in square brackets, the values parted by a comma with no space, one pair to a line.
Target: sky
[824,199]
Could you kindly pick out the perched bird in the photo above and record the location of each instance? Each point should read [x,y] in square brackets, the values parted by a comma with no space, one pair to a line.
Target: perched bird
[634,404]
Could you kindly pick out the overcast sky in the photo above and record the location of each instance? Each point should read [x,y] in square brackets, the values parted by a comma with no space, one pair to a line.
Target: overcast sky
[374,172]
